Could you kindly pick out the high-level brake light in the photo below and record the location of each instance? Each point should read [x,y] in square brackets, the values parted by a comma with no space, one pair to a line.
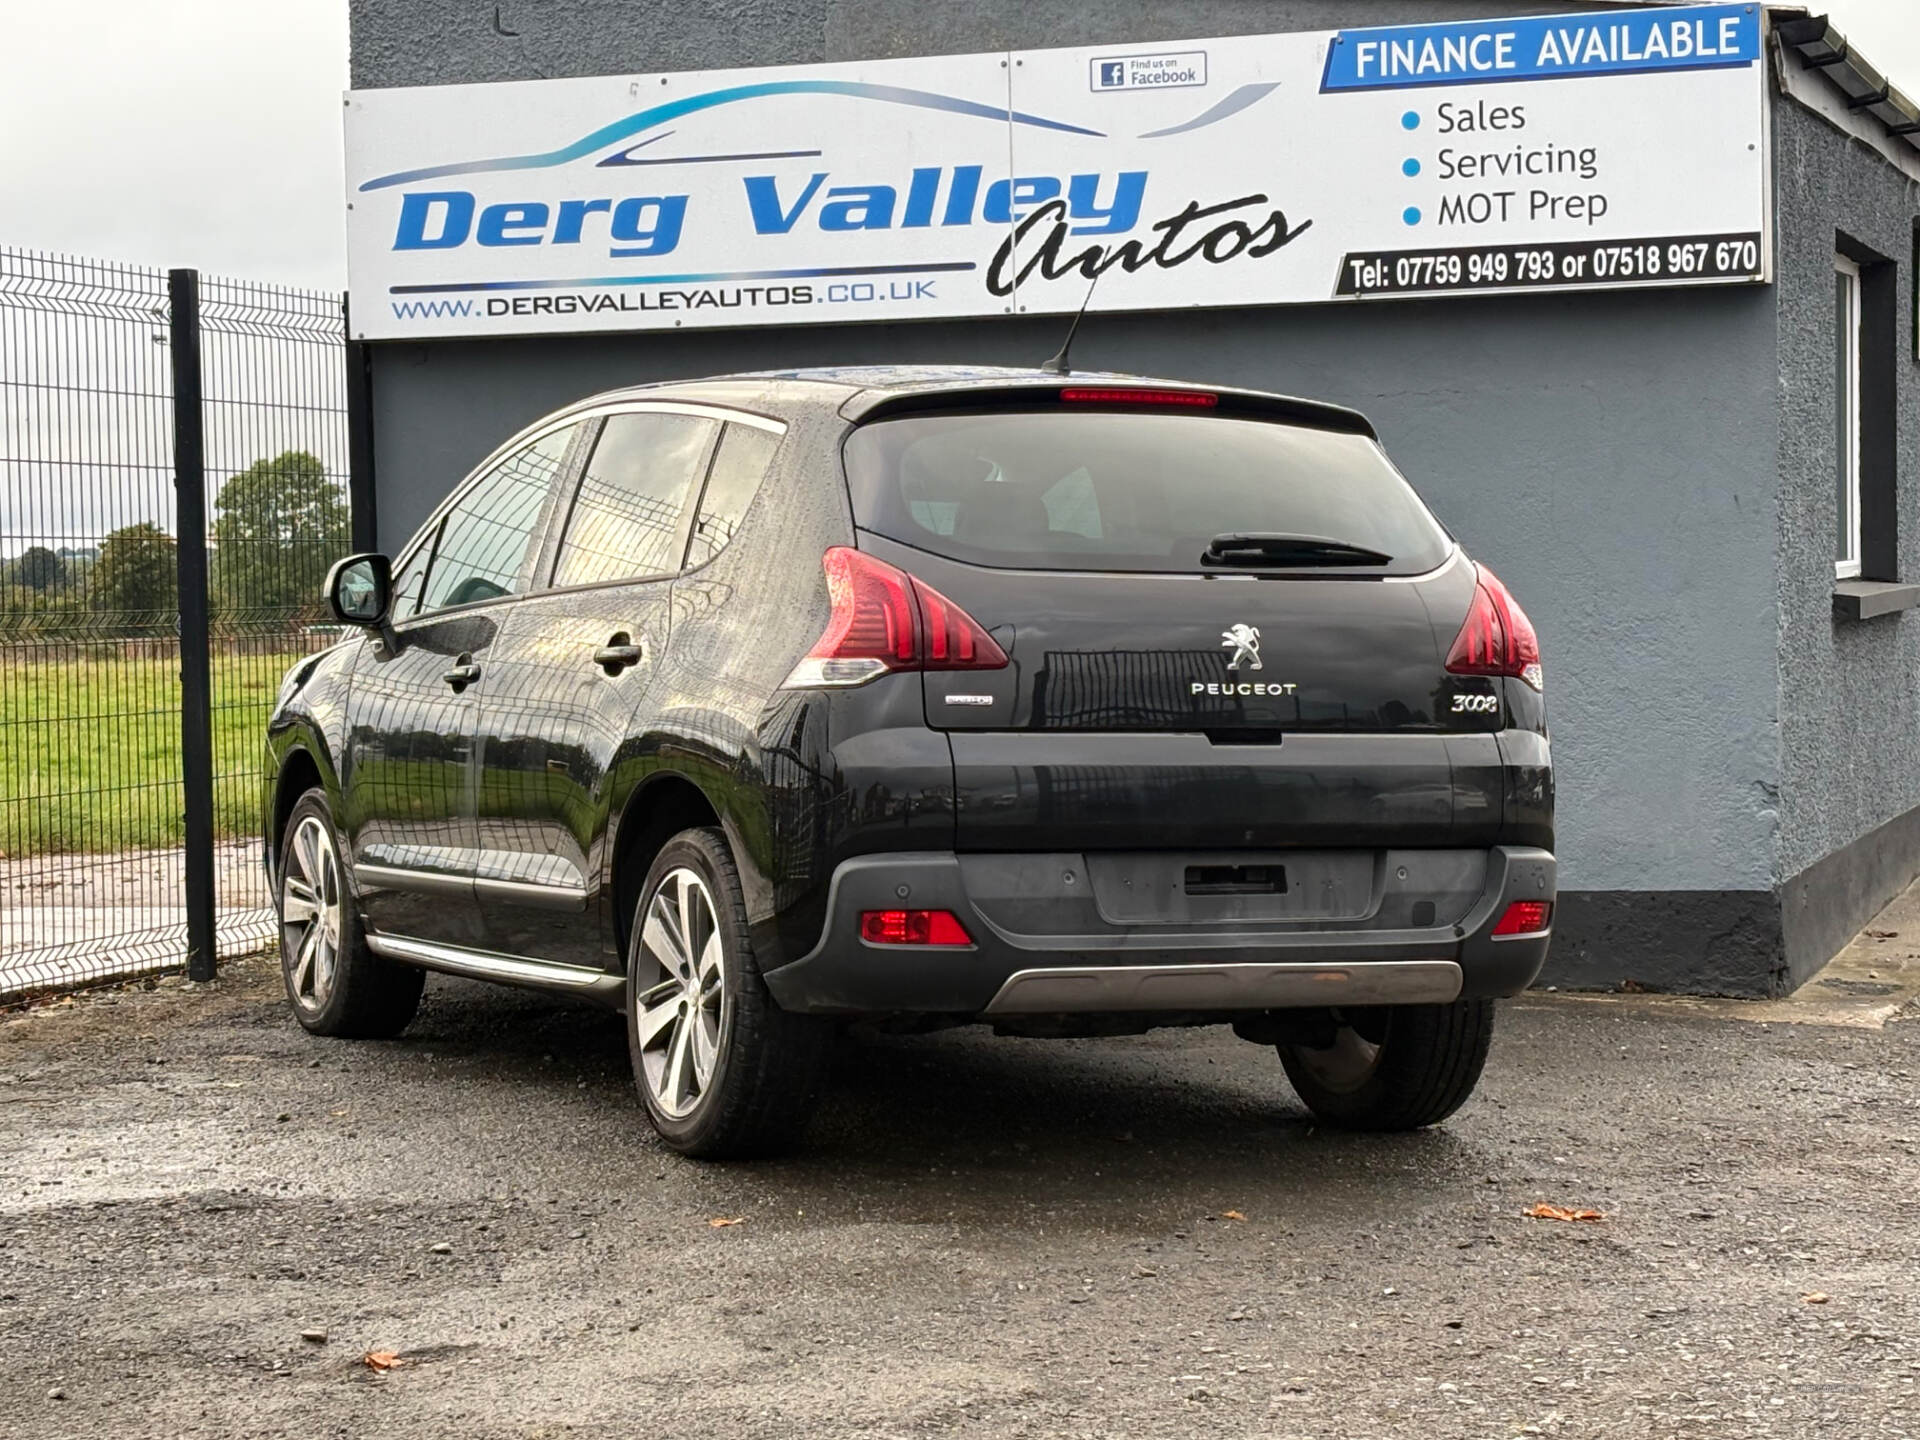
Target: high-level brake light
[884,619]
[1134,395]
[1497,638]
[913,927]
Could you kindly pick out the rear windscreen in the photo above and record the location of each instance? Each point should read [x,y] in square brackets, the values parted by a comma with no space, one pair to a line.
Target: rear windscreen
[1131,490]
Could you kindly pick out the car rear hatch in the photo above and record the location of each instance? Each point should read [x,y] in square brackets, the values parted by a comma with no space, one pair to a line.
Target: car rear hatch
[1222,629]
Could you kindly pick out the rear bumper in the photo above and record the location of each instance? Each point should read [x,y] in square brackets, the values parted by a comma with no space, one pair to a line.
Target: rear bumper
[1047,940]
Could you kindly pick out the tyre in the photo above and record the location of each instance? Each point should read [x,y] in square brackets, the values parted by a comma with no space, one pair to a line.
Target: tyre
[337,985]
[1393,1067]
[724,1071]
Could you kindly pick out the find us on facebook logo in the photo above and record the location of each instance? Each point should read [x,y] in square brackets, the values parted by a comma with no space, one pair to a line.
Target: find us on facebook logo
[1169,70]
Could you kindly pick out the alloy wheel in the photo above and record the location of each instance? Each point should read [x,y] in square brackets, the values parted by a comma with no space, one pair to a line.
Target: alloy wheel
[682,1011]
[1345,1065]
[311,918]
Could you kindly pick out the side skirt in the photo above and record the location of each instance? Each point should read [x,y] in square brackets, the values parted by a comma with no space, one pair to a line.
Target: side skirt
[548,975]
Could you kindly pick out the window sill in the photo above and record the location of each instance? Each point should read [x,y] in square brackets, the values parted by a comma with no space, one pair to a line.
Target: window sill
[1868,599]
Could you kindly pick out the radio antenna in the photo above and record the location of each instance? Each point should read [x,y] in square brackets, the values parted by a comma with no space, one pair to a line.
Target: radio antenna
[1058,364]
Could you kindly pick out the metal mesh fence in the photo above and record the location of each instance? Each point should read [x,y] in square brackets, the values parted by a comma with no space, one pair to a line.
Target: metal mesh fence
[92,871]
[274,405]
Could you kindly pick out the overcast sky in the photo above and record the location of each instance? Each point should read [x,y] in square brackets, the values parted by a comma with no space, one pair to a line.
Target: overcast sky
[207,132]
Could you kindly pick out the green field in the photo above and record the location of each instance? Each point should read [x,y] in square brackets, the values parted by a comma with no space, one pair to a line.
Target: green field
[90,750]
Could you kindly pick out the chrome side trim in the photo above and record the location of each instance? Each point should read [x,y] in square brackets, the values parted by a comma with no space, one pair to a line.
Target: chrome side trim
[1093,989]
[532,893]
[488,965]
[420,882]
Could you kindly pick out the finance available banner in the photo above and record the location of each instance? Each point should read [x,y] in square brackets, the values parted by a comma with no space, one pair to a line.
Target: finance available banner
[1577,152]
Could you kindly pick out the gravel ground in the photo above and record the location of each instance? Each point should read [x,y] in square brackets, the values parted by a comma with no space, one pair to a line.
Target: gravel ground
[1122,1238]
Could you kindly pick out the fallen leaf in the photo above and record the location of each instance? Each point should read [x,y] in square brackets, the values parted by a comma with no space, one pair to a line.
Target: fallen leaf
[1231,1215]
[1561,1212]
[381,1360]
[720,1222]
[1814,1297]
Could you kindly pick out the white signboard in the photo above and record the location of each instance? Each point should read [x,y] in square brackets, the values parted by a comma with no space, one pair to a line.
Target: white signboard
[1598,150]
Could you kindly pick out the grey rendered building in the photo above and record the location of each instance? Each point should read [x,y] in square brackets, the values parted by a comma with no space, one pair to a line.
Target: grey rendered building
[1664,476]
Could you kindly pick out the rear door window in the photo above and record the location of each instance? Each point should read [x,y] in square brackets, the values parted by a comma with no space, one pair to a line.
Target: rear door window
[1130,491]
[629,513]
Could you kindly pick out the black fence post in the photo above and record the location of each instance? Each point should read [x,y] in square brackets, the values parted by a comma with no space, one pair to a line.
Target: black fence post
[360,481]
[196,661]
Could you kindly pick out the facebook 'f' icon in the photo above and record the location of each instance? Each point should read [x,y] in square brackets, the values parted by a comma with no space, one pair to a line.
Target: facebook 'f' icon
[1113,74]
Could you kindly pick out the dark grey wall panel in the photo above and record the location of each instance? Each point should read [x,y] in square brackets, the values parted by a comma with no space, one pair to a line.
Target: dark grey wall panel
[1822,907]
[456,42]
[1695,942]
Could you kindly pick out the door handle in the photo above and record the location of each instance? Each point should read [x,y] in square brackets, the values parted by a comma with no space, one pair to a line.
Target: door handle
[462,674]
[618,653]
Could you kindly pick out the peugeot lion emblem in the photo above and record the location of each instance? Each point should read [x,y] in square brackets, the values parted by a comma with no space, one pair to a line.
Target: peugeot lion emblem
[1244,641]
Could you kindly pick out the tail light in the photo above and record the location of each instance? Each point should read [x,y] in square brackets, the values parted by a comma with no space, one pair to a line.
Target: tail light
[883,619]
[1497,638]
[1524,917]
[913,927]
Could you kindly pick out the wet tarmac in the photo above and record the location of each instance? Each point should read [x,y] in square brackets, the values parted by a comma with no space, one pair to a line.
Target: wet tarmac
[1139,1237]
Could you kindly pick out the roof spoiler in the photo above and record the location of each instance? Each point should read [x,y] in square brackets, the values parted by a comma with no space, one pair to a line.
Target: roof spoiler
[876,404]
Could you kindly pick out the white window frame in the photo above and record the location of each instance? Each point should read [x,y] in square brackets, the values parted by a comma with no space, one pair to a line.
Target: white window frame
[1846,565]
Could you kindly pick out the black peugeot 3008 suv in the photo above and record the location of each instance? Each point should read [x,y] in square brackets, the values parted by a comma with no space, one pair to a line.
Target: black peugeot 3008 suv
[1070,704]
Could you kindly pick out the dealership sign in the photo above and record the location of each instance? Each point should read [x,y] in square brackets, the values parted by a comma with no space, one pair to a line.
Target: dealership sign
[1575,152]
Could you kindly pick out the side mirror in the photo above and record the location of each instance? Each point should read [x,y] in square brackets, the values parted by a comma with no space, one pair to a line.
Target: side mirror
[360,590]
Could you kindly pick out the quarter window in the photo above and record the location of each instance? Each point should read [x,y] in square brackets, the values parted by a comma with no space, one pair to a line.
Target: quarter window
[484,550]
[745,451]
[628,512]
[1846,423]
[412,577]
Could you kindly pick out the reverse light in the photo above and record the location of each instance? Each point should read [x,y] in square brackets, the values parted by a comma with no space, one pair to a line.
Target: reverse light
[1134,395]
[1496,638]
[913,927]
[1524,917]
[884,619]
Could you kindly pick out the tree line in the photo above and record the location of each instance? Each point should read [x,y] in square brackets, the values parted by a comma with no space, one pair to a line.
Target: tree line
[277,526]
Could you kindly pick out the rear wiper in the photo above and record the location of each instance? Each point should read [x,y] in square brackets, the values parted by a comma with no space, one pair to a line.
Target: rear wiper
[1257,549]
